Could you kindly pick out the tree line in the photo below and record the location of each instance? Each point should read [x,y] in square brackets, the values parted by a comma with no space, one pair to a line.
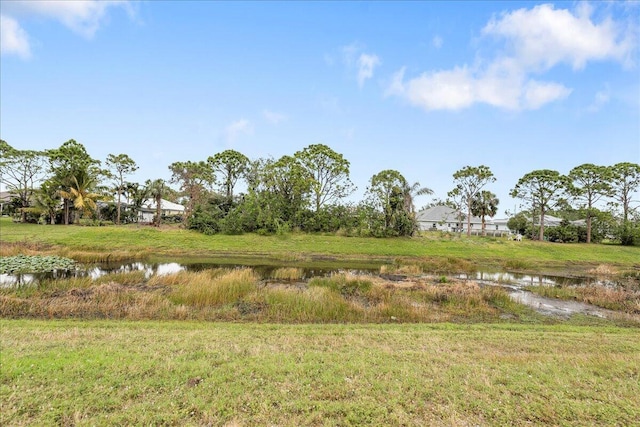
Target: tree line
[305,191]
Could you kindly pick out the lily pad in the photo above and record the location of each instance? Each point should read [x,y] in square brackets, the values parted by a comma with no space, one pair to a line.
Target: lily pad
[34,264]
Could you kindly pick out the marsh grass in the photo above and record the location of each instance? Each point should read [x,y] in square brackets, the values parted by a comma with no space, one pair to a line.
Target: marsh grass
[343,284]
[431,265]
[239,295]
[618,298]
[123,278]
[204,289]
[287,273]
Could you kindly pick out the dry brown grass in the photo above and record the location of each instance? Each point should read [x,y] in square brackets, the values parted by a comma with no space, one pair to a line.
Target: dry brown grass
[21,248]
[603,270]
[287,273]
[236,295]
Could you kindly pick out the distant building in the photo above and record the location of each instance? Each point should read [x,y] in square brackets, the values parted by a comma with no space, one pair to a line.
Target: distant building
[148,209]
[445,218]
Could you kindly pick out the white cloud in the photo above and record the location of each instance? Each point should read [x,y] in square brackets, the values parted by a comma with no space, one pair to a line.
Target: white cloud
[437,42]
[542,37]
[82,17]
[350,53]
[237,128]
[536,93]
[366,64]
[461,88]
[13,39]
[274,117]
[536,40]
[601,98]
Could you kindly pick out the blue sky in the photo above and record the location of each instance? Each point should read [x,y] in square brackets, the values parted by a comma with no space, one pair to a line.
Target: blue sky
[422,87]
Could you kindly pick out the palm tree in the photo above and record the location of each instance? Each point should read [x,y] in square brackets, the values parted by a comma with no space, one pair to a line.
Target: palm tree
[412,191]
[136,195]
[80,193]
[157,190]
[48,200]
[484,204]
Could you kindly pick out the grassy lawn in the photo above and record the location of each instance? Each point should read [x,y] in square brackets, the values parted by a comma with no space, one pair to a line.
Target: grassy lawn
[144,241]
[191,373]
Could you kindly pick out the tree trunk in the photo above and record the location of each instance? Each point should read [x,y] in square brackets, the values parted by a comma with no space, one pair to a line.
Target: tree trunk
[158,210]
[66,211]
[541,234]
[589,227]
[52,218]
[484,226]
[469,217]
[118,214]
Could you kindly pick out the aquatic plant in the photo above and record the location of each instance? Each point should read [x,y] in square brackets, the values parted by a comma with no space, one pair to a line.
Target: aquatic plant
[34,264]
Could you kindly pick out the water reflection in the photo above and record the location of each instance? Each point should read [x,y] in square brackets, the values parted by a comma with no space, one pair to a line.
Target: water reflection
[159,269]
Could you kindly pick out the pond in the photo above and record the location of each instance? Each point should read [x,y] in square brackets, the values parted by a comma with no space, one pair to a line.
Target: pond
[265,271]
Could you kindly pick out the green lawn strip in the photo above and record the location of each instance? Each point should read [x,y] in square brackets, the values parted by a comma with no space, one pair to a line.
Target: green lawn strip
[179,242]
[192,373]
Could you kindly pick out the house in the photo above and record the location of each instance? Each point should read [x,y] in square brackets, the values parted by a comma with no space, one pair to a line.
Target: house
[167,208]
[440,218]
[445,218]
[554,221]
[5,199]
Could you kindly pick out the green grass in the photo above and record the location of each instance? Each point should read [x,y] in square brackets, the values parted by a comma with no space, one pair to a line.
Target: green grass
[143,241]
[190,373]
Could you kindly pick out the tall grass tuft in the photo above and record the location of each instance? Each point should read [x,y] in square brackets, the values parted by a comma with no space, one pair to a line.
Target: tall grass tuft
[204,289]
[287,273]
[613,298]
[316,304]
[343,284]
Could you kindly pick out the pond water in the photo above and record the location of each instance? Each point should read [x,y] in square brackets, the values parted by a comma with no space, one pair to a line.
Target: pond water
[162,268]
[514,283]
[556,307]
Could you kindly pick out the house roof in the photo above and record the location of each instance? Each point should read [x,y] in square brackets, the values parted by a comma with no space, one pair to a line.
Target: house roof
[5,196]
[165,205]
[442,213]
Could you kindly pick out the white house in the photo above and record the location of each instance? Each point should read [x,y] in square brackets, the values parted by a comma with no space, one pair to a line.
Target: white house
[148,209]
[441,218]
[444,218]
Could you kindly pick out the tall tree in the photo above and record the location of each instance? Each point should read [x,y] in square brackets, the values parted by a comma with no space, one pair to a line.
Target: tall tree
[288,184]
[68,161]
[625,182]
[119,166]
[48,199]
[542,189]
[330,173]
[156,189]
[469,181]
[81,193]
[193,178]
[485,204]
[388,190]
[412,191]
[20,170]
[229,166]
[386,187]
[588,184]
